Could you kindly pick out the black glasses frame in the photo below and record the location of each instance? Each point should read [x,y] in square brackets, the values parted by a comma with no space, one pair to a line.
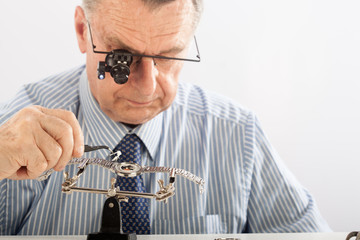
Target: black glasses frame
[148,56]
[118,61]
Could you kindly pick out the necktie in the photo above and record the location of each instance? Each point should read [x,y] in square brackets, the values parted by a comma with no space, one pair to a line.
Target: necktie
[135,212]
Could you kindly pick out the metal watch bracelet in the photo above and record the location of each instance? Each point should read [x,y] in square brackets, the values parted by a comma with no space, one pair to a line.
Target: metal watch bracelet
[126,169]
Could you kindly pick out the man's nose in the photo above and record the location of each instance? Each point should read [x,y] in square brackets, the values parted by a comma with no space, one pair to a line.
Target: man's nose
[143,76]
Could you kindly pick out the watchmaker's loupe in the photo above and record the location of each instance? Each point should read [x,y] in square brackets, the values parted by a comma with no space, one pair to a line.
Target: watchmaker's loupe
[117,63]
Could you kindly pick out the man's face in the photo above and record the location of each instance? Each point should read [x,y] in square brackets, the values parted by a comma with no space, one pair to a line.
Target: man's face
[130,25]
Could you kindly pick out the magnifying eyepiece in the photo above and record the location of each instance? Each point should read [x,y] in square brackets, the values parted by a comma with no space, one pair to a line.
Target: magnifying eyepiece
[120,72]
[117,62]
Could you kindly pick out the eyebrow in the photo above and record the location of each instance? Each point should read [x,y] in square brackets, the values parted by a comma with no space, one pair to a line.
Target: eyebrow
[118,43]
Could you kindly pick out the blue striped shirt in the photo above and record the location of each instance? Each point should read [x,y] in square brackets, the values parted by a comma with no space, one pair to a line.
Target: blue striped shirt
[248,188]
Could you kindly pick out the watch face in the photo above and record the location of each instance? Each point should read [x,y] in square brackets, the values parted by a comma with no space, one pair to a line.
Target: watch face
[126,169]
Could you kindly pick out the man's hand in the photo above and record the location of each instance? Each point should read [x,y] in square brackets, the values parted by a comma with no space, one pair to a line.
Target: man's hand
[36,139]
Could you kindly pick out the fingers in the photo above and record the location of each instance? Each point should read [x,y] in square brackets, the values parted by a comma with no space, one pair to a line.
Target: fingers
[36,139]
[31,165]
[49,147]
[71,119]
[64,128]
[35,166]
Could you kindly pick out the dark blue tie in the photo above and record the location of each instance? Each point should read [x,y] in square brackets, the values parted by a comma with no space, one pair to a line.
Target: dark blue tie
[135,212]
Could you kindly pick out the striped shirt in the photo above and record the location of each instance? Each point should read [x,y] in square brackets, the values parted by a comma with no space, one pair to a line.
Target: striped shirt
[248,188]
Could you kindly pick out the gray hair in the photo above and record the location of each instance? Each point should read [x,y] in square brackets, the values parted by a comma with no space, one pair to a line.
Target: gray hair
[90,6]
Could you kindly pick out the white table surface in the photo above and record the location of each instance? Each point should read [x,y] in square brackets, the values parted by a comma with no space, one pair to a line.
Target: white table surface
[271,236]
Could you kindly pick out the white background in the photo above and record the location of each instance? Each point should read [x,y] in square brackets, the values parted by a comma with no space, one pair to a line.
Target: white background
[294,62]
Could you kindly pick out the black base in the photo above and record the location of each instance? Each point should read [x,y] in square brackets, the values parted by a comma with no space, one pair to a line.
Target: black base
[111,223]
[111,236]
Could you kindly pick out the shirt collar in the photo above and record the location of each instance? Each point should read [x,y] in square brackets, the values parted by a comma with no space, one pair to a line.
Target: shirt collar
[104,131]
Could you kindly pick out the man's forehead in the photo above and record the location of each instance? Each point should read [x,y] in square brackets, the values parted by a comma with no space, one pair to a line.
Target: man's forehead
[150,4]
[136,11]
[132,30]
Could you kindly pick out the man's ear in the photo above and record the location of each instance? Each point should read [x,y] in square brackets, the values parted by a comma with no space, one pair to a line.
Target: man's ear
[81,29]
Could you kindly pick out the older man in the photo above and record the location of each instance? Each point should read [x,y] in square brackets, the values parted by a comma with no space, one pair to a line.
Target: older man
[171,124]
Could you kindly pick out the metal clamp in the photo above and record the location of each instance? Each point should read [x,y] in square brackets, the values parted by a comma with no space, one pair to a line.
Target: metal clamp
[123,169]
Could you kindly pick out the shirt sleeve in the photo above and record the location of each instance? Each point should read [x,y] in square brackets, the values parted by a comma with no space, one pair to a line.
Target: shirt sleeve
[277,201]
[7,110]
[2,206]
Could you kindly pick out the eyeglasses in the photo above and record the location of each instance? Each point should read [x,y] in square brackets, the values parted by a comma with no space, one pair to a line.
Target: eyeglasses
[118,61]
